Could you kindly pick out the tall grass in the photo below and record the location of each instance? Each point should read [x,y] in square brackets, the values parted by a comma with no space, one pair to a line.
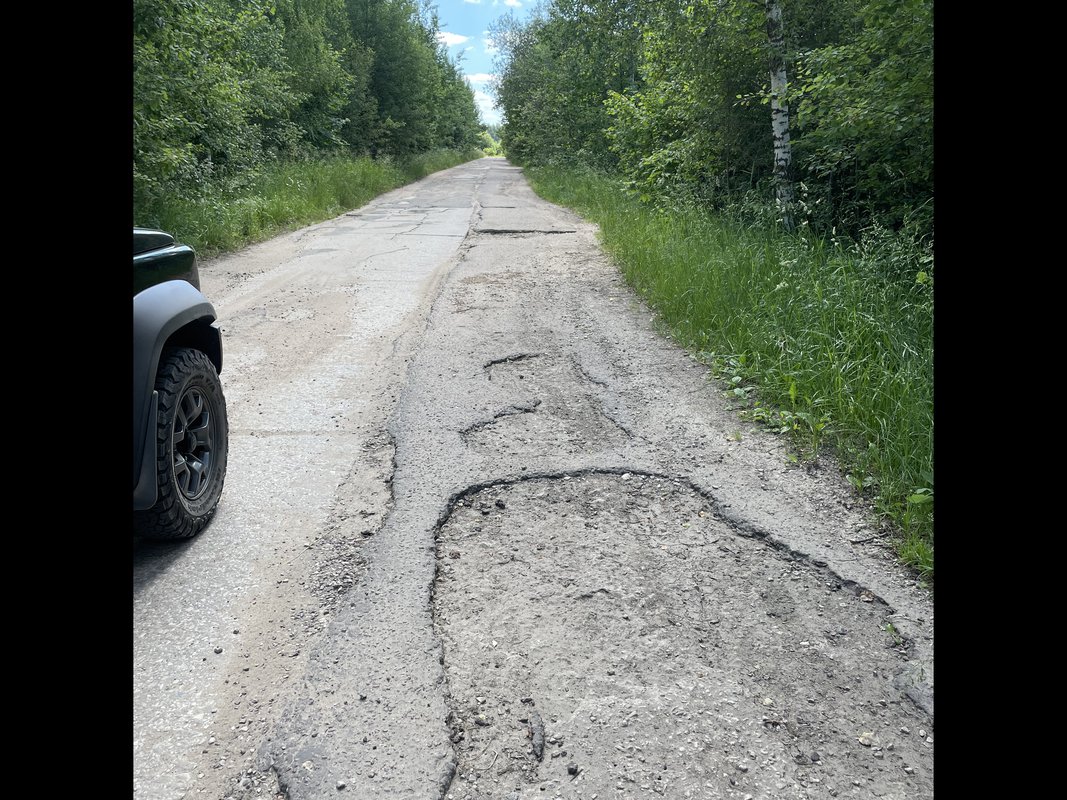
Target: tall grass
[284,196]
[827,341]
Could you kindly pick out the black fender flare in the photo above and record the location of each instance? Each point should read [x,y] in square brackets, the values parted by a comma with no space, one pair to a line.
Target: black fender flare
[172,313]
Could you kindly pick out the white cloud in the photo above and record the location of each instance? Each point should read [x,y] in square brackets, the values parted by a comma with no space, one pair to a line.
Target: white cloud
[489,115]
[481,77]
[488,44]
[451,39]
[473,2]
[513,3]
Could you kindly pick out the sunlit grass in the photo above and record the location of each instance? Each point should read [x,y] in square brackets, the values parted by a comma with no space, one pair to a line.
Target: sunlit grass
[828,342]
[285,196]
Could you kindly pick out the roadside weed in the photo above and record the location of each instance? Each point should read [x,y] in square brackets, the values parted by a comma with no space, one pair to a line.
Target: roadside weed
[894,634]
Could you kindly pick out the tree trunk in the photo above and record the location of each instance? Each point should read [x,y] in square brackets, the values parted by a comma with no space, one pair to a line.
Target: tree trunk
[783,154]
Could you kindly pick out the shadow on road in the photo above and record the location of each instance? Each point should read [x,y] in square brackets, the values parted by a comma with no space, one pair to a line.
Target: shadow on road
[152,558]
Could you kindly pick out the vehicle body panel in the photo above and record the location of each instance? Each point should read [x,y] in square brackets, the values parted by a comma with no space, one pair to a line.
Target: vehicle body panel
[162,263]
[168,311]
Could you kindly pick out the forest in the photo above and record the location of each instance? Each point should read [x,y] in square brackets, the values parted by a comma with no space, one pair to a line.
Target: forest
[229,95]
[675,97]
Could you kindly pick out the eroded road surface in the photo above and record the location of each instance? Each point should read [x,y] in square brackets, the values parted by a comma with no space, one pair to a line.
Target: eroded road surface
[487,533]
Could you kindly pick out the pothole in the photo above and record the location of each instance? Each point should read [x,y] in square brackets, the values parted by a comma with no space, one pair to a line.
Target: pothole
[660,653]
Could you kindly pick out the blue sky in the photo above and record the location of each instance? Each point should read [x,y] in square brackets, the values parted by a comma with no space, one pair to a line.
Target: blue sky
[465,31]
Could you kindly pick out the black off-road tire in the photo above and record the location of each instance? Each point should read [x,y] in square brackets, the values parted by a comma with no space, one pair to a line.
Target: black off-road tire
[192,442]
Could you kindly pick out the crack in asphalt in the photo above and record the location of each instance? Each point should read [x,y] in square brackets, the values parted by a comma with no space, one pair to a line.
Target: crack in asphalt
[629,434]
[520,231]
[510,411]
[385,253]
[585,374]
[441,235]
[509,360]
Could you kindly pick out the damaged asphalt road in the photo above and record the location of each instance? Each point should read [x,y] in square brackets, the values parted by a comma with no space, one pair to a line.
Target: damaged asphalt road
[542,556]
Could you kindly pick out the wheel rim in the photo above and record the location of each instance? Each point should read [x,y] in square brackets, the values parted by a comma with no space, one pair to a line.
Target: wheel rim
[194,443]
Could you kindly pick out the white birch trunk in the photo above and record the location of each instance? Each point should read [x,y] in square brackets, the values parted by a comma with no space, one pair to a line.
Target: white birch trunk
[783,154]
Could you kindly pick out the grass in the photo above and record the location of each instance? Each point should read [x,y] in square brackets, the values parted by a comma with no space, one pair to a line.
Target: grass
[828,342]
[285,196]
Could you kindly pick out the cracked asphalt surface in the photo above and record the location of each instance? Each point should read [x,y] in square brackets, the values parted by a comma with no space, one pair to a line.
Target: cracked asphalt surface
[487,533]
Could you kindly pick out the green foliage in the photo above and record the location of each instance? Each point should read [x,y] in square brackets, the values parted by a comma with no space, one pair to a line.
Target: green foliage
[456,123]
[894,635]
[422,101]
[556,69]
[865,116]
[206,78]
[680,134]
[316,37]
[491,146]
[827,342]
[225,90]
[400,78]
[675,97]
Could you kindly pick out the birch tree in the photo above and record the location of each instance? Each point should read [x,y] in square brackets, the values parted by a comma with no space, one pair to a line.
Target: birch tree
[783,154]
